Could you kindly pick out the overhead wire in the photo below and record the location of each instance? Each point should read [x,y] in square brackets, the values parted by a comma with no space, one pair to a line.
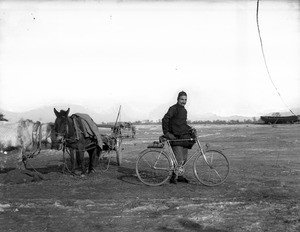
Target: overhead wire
[265,60]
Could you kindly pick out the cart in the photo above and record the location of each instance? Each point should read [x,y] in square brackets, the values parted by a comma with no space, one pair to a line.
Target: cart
[113,139]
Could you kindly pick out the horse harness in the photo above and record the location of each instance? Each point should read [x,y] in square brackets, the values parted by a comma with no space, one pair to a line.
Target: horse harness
[78,131]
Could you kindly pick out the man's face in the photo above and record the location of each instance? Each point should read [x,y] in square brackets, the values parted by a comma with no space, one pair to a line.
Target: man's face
[182,100]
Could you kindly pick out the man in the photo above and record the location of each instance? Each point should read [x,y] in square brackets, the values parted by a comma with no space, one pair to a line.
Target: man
[174,125]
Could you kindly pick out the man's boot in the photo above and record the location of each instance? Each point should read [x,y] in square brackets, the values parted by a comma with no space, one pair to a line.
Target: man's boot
[173,179]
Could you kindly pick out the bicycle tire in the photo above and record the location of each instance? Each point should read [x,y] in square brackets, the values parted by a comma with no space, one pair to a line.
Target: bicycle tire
[213,173]
[153,167]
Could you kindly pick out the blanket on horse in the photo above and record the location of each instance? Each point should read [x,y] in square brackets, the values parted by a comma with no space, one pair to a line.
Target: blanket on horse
[89,127]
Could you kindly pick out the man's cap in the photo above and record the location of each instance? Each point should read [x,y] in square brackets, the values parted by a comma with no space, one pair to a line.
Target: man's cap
[182,93]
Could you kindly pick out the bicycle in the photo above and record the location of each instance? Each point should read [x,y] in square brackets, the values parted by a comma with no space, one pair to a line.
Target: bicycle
[155,165]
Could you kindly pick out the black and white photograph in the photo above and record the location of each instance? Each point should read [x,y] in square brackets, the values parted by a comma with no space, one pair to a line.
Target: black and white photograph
[150,115]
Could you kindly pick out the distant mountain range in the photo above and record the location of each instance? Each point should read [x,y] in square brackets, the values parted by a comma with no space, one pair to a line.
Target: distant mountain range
[46,114]
[214,117]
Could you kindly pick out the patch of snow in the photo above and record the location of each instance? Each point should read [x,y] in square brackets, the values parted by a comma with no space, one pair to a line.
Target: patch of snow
[4,206]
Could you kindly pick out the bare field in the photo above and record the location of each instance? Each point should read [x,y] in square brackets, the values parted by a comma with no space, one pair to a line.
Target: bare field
[260,194]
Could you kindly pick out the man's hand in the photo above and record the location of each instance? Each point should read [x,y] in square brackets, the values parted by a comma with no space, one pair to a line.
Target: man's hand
[170,136]
[193,132]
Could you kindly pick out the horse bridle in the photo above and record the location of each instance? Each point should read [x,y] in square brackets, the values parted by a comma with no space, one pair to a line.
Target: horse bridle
[64,135]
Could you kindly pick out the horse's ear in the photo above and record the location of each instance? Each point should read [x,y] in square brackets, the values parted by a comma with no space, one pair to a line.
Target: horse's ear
[56,112]
[67,112]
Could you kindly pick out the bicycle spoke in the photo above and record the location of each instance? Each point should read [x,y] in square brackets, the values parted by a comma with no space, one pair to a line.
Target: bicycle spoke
[147,162]
[211,168]
[157,158]
[217,173]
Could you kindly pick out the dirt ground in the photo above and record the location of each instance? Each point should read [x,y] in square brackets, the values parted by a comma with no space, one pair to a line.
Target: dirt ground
[260,194]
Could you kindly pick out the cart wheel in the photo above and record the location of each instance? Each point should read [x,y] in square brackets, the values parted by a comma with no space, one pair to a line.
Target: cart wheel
[119,157]
[119,152]
[104,161]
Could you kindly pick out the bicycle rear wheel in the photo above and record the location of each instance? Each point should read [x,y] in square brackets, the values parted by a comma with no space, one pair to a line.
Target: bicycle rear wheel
[153,167]
[214,171]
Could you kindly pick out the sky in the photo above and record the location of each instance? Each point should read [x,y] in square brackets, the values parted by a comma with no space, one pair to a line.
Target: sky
[140,54]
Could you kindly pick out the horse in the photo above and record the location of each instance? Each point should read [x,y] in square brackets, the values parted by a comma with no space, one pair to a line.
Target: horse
[44,134]
[17,136]
[70,132]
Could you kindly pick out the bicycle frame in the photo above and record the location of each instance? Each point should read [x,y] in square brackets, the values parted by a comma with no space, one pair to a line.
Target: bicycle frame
[173,158]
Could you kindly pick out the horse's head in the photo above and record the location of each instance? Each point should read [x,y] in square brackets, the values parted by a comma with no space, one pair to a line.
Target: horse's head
[61,125]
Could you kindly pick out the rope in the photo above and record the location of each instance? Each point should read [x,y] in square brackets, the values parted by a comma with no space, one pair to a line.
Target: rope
[265,61]
[65,164]
[108,162]
[40,174]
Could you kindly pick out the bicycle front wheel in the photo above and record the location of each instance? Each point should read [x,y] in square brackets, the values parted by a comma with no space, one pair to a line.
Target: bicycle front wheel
[153,167]
[212,168]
